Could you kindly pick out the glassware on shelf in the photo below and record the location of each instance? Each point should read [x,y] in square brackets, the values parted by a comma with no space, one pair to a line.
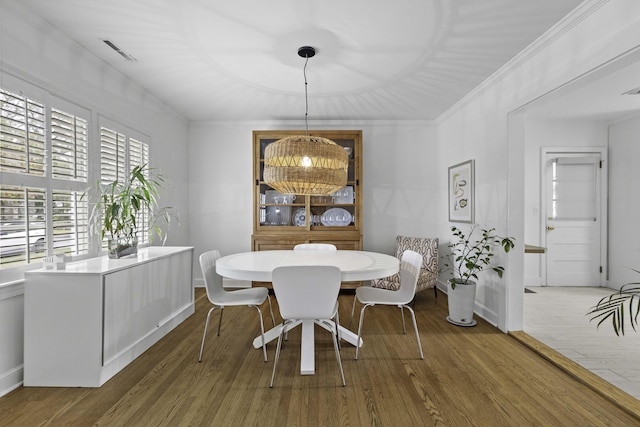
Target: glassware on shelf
[321,200]
[343,196]
[278,215]
[275,197]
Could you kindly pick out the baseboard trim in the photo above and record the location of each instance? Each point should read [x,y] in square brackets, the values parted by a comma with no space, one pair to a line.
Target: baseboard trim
[11,380]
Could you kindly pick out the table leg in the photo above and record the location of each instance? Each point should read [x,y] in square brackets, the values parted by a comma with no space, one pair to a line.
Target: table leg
[307,348]
[307,344]
[272,334]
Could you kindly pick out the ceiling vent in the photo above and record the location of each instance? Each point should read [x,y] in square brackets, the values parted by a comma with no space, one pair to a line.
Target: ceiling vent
[122,53]
[635,91]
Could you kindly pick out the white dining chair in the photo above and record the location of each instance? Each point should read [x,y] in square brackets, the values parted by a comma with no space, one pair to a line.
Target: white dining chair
[325,247]
[315,247]
[307,292]
[221,298]
[410,266]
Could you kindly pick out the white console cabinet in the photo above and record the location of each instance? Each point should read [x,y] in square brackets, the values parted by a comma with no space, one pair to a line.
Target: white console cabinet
[85,323]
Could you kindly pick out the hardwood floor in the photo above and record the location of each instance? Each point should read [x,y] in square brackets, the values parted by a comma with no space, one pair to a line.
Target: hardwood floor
[470,376]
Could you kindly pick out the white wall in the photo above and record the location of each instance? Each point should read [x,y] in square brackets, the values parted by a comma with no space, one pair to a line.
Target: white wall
[478,133]
[32,51]
[485,126]
[624,202]
[400,182]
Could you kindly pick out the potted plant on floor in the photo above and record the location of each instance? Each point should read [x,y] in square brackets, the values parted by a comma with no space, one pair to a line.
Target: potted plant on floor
[468,257]
[612,307]
[124,208]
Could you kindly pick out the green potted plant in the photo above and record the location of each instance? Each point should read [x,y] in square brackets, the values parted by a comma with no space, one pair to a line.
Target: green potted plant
[468,256]
[612,307]
[124,208]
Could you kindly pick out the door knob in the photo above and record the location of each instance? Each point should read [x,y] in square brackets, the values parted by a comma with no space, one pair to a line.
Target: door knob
[549,228]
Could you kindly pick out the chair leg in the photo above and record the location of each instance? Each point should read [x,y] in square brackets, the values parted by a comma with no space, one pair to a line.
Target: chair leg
[264,345]
[360,328]
[337,325]
[277,357]
[415,327]
[273,320]
[353,309]
[335,347]
[204,335]
[404,329]
[338,331]
[220,321]
[435,291]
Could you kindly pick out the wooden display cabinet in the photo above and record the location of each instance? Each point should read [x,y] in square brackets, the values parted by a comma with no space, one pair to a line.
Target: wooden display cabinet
[281,221]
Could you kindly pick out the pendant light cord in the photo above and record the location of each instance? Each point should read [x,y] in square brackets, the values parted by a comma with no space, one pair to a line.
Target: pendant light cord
[306,96]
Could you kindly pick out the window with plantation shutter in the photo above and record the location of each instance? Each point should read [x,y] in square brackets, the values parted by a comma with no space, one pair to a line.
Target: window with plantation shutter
[112,156]
[138,153]
[23,236]
[69,146]
[45,165]
[119,154]
[139,156]
[46,138]
[22,134]
[70,212]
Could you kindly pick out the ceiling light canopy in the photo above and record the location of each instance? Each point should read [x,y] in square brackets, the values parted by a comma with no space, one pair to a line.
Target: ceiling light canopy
[304,164]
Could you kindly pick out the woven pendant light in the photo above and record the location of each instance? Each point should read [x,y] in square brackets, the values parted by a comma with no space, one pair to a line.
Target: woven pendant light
[303,164]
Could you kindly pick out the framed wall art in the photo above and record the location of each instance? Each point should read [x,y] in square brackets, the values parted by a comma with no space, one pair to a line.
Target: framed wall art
[462,192]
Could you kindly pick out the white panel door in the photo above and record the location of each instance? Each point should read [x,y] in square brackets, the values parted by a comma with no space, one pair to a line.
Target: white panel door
[573,219]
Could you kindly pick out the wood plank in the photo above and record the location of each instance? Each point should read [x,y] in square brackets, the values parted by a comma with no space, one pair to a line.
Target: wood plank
[470,376]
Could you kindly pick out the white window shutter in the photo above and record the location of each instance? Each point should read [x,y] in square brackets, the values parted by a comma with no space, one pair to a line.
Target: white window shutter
[22,134]
[70,213]
[112,156]
[69,146]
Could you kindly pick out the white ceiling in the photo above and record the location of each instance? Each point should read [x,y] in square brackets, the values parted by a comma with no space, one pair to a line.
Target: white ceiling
[601,95]
[237,60]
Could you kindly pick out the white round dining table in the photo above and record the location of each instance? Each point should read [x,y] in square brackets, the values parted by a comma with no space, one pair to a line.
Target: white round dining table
[354,266]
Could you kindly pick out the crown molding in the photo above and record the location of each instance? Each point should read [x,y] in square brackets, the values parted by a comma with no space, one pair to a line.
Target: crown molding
[562,27]
[316,124]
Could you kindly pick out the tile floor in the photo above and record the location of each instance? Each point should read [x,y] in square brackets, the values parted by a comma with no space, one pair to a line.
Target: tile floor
[557,317]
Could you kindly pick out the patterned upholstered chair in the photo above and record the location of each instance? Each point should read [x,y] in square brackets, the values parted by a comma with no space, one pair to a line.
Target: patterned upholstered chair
[428,248]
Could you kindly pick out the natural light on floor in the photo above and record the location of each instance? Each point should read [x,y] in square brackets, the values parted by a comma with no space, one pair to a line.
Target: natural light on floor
[557,317]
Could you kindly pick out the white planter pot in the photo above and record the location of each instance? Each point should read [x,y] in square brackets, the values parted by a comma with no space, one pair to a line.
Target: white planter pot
[461,300]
